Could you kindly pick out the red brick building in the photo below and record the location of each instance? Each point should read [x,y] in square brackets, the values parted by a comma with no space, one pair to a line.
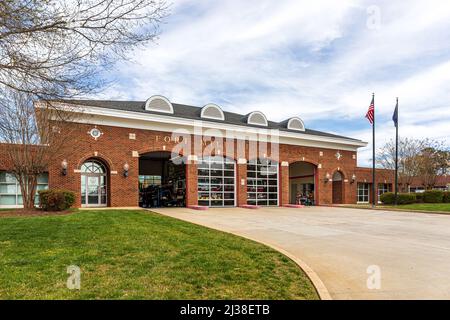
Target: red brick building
[158,153]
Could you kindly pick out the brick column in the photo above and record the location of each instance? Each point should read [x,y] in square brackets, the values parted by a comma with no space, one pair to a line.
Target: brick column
[284,183]
[241,182]
[191,182]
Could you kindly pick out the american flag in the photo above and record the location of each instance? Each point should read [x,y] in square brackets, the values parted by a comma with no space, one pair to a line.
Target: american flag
[370,112]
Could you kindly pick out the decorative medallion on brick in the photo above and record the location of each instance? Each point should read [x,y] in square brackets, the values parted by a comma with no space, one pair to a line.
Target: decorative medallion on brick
[95,133]
[338,155]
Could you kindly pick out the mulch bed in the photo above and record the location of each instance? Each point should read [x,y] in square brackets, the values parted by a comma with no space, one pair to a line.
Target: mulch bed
[32,213]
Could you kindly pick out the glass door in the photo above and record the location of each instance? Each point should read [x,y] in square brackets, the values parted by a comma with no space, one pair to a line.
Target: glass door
[93,185]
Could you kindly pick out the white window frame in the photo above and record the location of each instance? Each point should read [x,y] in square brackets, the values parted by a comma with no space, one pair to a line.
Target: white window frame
[385,188]
[366,187]
[18,193]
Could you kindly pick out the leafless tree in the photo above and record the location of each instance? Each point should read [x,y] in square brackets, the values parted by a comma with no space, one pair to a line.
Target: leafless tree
[432,161]
[33,137]
[408,164]
[56,48]
[417,159]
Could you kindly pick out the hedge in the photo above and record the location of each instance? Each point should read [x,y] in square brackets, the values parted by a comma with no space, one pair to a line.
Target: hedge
[419,197]
[403,198]
[56,199]
[446,197]
[433,196]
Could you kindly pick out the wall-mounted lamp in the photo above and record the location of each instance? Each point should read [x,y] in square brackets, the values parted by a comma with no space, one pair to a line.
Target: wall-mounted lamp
[126,168]
[327,177]
[64,167]
[353,178]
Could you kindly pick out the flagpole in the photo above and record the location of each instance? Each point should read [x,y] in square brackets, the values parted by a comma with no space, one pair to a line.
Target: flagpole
[373,153]
[396,154]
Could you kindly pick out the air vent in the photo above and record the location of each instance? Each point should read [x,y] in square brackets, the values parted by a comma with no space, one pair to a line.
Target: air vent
[212,111]
[296,124]
[257,118]
[159,104]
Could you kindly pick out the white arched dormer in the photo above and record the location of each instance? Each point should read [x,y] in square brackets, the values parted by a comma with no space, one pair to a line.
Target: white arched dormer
[257,118]
[296,123]
[212,111]
[158,104]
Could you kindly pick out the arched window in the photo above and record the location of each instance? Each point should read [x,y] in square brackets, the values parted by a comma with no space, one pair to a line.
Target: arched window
[212,111]
[257,118]
[296,124]
[159,104]
[93,166]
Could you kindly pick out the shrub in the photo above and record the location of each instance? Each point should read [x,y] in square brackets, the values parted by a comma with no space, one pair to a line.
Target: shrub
[403,198]
[419,197]
[387,198]
[446,197]
[55,199]
[433,196]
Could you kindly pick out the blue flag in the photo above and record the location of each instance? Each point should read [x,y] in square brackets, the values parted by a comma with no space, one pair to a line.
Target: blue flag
[395,115]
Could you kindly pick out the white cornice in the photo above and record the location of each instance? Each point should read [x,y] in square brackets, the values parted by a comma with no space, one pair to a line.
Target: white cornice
[147,121]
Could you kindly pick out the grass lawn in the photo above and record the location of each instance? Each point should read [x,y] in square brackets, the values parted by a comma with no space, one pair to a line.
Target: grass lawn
[134,254]
[424,206]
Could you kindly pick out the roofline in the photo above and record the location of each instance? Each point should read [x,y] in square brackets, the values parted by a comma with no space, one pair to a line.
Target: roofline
[162,118]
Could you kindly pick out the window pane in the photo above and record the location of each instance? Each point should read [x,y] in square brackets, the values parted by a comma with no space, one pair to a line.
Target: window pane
[8,188]
[42,178]
[8,200]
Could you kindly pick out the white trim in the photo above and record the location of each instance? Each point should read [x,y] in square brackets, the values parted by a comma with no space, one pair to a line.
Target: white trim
[192,157]
[160,122]
[249,121]
[215,106]
[18,206]
[297,129]
[284,164]
[149,100]
[242,161]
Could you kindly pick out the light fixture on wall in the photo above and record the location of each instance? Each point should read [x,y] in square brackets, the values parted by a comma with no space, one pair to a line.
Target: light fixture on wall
[64,167]
[327,177]
[126,168]
[353,178]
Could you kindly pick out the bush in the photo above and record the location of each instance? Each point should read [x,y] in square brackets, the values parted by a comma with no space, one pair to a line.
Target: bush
[433,196]
[55,199]
[403,198]
[419,197]
[387,198]
[446,197]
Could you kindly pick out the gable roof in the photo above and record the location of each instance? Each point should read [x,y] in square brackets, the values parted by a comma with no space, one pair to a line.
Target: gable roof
[192,112]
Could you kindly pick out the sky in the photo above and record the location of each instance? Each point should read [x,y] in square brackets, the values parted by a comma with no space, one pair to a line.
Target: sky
[319,60]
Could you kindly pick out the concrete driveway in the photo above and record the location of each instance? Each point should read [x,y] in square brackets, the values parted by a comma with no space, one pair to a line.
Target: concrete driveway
[411,251]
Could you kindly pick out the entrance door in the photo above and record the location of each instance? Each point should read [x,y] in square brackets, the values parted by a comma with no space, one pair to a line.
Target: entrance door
[337,188]
[93,184]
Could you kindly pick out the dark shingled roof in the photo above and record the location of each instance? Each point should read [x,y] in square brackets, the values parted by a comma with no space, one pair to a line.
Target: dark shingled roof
[191,112]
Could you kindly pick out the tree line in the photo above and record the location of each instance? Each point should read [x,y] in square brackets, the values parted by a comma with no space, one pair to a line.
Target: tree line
[422,160]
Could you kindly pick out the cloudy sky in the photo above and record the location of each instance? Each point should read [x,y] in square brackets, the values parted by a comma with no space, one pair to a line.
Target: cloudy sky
[319,60]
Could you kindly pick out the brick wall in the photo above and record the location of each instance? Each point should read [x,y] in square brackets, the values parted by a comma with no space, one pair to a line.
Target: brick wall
[115,148]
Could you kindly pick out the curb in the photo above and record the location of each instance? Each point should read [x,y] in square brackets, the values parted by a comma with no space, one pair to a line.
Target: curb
[391,209]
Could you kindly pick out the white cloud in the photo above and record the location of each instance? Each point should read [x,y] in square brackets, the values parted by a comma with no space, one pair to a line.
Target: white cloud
[315,59]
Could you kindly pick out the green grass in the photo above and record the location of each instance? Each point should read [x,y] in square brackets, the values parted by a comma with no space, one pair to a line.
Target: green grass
[424,206]
[134,254]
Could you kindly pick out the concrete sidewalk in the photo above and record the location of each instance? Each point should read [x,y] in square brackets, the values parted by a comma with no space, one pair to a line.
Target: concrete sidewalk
[411,250]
